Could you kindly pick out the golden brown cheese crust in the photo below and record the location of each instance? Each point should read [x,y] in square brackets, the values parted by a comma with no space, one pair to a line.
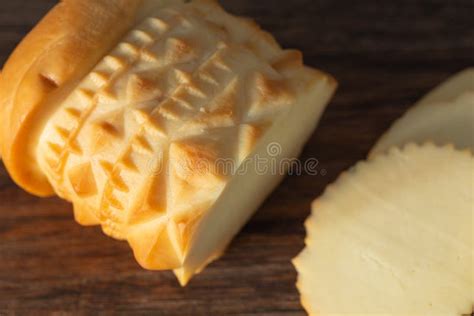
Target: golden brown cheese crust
[57,53]
[130,127]
[137,146]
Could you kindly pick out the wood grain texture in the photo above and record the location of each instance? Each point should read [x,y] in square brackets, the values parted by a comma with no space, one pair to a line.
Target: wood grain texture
[385,55]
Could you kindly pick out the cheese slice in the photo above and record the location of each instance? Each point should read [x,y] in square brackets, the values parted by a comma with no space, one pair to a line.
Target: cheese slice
[444,116]
[393,236]
[451,88]
[152,144]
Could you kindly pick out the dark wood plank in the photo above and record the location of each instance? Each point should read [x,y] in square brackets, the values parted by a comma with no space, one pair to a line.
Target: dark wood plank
[385,55]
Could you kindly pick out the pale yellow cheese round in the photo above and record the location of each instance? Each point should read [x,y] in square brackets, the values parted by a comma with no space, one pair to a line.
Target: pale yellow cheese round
[444,116]
[393,236]
[442,123]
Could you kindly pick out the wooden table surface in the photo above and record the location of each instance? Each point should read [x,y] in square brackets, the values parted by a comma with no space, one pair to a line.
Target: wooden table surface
[385,54]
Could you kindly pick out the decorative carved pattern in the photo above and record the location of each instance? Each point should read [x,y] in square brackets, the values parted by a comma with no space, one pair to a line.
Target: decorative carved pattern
[176,93]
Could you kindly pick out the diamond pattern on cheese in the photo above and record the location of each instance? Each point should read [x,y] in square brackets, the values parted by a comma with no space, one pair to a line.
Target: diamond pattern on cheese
[393,236]
[135,147]
[444,116]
